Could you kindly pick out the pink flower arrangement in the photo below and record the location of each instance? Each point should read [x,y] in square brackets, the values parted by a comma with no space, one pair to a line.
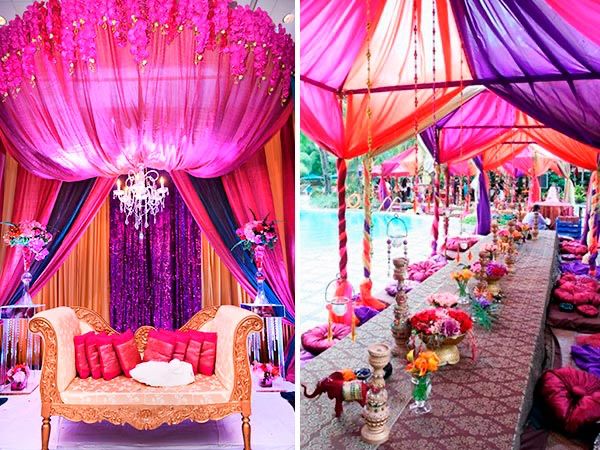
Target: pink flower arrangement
[495,270]
[265,368]
[443,300]
[447,323]
[31,236]
[257,233]
[490,248]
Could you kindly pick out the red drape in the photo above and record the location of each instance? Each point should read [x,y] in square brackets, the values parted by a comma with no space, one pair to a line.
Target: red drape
[248,190]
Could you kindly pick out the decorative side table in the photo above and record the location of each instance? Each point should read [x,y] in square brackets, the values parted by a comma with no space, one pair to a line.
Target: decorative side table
[19,345]
[267,347]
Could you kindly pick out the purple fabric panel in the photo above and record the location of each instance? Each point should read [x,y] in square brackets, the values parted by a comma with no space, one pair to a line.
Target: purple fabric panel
[513,38]
[155,281]
[587,357]
[484,214]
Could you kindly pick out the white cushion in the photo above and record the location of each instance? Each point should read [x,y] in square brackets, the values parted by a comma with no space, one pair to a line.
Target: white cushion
[163,374]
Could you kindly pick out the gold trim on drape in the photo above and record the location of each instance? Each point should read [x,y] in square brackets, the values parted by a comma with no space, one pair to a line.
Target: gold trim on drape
[84,278]
[219,287]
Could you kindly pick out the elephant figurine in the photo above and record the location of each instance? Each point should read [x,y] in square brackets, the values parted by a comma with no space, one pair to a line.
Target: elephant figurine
[336,387]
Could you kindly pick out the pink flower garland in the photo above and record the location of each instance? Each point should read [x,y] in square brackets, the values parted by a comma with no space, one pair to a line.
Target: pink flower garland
[67,31]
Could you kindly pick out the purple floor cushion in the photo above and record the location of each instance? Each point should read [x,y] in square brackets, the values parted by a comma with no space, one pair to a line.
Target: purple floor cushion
[315,340]
[587,357]
[572,397]
[364,314]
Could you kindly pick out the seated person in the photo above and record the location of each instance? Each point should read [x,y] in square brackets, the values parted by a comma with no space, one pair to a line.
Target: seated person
[530,217]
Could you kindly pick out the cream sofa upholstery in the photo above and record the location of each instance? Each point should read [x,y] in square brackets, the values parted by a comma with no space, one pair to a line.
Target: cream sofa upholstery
[123,400]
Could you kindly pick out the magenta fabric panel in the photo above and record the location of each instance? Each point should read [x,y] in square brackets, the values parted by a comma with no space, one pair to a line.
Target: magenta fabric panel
[193,202]
[102,123]
[90,208]
[34,200]
[288,159]
[584,15]
[248,190]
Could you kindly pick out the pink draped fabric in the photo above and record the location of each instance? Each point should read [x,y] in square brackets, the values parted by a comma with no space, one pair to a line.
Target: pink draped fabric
[88,211]
[584,15]
[34,199]
[105,122]
[186,189]
[248,191]
[288,172]
[403,164]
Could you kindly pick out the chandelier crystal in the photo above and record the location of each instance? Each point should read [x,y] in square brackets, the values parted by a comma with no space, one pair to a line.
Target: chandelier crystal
[141,197]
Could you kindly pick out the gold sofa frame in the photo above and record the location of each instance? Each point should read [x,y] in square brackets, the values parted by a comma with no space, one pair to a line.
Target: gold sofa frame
[146,417]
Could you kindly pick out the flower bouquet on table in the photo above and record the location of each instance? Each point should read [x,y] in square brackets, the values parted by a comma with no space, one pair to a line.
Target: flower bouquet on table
[484,310]
[462,278]
[420,368]
[443,300]
[492,249]
[17,376]
[494,272]
[441,330]
[525,230]
[266,372]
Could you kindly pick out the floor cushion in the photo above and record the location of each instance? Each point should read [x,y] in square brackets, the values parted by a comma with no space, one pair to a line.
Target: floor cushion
[572,397]
[315,340]
[587,310]
[572,320]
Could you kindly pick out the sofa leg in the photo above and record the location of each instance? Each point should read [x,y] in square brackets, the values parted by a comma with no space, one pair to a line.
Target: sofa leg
[246,431]
[45,432]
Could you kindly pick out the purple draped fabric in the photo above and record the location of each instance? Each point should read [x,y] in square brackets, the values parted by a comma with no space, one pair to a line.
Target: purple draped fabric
[543,65]
[587,357]
[155,281]
[484,215]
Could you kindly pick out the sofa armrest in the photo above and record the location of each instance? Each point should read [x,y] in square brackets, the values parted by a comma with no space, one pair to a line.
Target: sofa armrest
[57,326]
[233,325]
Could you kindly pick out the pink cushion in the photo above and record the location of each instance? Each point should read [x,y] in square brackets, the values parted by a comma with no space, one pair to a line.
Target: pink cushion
[572,397]
[93,357]
[316,339]
[126,351]
[109,363]
[208,351]
[160,346]
[192,353]
[81,364]
[587,310]
[181,342]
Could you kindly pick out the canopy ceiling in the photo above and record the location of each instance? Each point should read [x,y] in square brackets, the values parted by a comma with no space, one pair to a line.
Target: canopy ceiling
[546,62]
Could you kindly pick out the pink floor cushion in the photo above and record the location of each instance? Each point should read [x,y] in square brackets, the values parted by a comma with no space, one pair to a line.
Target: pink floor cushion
[315,340]
[454,243]
[422,270]
[587,310]
[577,289]
[572,397]
[572,320]
[573,247]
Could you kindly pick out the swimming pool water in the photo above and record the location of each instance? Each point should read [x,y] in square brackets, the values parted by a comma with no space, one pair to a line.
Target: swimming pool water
[319,228]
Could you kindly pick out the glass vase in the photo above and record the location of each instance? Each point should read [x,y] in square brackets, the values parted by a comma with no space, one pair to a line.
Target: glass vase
[463,294]
[420,394]
[261,298]
[26,277]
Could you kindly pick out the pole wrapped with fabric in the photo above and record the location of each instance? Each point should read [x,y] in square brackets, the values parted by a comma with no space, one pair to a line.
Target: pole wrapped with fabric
[435,227]
[367,236]
[592,234]
[342,172]
[484,215]
[447,204]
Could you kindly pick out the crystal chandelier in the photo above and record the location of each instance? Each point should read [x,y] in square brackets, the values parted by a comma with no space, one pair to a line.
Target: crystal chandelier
[141,197]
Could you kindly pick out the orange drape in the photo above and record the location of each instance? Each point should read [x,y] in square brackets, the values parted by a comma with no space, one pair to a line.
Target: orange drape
[84,278]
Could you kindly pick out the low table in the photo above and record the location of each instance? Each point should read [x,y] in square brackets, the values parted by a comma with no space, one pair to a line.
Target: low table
[480,403]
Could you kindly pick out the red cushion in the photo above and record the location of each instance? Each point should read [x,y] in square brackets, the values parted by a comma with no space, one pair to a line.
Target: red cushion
[192,352]
[208,356]
[587,310]
[127,352]
[93,357]
[160,346]
[181,342]
[572,397]
[81,364]
[109,363]
[316,339]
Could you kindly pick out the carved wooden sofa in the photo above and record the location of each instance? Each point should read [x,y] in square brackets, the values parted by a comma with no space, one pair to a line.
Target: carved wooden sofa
[123,400]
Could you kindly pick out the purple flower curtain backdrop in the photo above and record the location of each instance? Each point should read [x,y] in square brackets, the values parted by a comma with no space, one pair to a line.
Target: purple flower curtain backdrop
[157,280]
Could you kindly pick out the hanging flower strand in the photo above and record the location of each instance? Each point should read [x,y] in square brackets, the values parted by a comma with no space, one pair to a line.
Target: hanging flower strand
[66,31]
